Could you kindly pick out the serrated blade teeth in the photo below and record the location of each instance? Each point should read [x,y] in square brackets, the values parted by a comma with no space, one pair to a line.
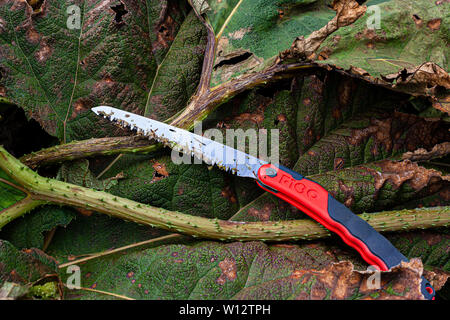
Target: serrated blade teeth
[209,151]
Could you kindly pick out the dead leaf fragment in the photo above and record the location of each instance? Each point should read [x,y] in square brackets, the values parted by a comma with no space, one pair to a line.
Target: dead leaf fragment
[424,78]
[437,278]
[417,20]
[397,173]
[438,151]
[229,270]
[397,131]
[160,171]
[341,281]
[347,12]
[434,24]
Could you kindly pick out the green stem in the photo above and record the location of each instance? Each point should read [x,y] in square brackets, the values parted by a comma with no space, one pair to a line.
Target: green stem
[17,210]
[89,148]
[46,190]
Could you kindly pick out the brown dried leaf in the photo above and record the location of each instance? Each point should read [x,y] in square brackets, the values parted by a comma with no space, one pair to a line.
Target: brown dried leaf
[347,12]
[438,151]
[437,278]
[397,173]
[424,78]
[341,281]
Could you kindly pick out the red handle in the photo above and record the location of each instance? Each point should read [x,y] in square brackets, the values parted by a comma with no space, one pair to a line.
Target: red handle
[312,199]
[315,201]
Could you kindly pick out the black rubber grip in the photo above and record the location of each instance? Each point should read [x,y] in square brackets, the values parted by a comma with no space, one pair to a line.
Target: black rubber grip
[377,244]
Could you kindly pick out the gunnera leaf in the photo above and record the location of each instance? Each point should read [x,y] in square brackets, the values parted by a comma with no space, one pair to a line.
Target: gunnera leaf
[9,195]
[28,232]
[63,59]
[250,34]
[398,43]
[252,270]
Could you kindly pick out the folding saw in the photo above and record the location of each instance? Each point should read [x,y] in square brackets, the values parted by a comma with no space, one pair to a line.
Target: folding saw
[288,185]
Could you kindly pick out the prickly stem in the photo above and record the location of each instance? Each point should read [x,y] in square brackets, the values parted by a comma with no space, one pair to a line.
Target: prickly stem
[40,193]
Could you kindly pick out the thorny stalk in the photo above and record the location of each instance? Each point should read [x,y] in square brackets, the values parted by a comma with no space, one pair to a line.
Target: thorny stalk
[40,190]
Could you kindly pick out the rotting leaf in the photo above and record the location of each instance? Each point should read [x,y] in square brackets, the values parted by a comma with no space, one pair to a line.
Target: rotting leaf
[372,52]
[421,154]
[370,137]
[347,12]
[382,184]
[427,78]
[250,34]
[396,173]
[340,281]
[434,24]
[229,270]
[160,171]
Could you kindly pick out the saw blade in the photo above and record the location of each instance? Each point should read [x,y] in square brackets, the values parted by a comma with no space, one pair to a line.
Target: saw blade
[207,150]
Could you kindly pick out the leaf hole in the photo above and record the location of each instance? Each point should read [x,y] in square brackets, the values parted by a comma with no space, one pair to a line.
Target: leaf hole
[234,60]
[120,12]
[35,4]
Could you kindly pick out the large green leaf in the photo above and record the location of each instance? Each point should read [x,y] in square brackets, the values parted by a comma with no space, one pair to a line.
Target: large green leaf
[251,33]
[9,195]
[392,36]
[257,110]
[96,233]
[210,270]
[370,137]
[178,74]
[121,55]
[431,247]
[28,232]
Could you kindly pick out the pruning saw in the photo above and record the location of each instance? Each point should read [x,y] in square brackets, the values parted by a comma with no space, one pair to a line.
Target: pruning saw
[288,185]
